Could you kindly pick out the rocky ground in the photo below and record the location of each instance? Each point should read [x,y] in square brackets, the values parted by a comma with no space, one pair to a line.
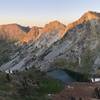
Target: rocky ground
[28,85]
[79,91]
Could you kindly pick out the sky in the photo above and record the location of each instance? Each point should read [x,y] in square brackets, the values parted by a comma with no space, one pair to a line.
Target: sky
[40,12]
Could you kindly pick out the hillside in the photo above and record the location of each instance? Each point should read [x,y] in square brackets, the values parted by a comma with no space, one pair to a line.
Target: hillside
[37,59]
[75,47]
[79,49]
[12,31]
[34,46]
[28,85]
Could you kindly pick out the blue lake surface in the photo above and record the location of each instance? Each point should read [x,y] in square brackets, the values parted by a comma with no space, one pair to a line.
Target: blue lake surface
[60,75]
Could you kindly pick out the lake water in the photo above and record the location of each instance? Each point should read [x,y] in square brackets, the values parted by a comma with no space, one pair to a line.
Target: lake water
[60,75]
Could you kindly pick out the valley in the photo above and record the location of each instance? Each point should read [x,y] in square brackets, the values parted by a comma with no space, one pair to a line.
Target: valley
[47,62]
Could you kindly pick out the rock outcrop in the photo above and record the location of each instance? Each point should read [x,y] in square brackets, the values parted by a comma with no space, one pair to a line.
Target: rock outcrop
[12,31]
[79,48]
[32,35]
[38,40]
[76,46]
[50,33]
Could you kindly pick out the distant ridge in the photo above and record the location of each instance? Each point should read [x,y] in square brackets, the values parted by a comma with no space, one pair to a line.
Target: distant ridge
[58,45]
[90,15]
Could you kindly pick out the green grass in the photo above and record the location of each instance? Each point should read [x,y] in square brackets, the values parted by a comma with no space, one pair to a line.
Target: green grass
[63,63]
[50,86]
[6,48]
[21,86]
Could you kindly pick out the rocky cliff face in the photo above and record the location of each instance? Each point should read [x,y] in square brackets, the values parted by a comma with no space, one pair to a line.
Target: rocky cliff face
[12,31]
[79,46]
[38,40]
[50,33]
[32,35]
[19,33]
[76,46]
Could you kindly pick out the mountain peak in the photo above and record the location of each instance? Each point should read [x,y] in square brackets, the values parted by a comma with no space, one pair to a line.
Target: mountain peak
[31,35]
[90,12]
[12,31]
[54,23]
[88,16]
[54,26]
